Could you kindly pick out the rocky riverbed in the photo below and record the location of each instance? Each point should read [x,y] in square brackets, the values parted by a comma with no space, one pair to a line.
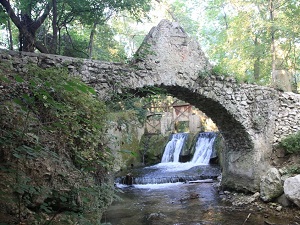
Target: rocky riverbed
[270,213]
[194,204]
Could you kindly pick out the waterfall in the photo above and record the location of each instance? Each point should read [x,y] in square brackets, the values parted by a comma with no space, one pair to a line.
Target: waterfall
[173,148]
[170,170]
[204,148]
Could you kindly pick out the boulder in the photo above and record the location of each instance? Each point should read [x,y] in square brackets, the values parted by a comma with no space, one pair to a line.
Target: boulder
[270,185]
[292,189]
[283,200]
[156,216]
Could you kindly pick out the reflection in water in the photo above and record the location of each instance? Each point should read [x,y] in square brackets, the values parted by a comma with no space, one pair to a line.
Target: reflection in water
[174,204]
[178,204]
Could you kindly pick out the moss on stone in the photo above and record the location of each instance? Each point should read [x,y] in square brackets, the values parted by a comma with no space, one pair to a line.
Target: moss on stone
[152,147]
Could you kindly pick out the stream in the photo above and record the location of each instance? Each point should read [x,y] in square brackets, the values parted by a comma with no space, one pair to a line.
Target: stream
[182,204]
[175,193]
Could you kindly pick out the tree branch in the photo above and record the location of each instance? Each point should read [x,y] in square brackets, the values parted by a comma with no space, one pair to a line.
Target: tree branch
[16,20]
[40,46]
[36,24]
[23,30]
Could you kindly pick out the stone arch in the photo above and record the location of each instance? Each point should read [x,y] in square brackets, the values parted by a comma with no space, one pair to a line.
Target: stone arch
[233,131]
[169,58]
[241,171]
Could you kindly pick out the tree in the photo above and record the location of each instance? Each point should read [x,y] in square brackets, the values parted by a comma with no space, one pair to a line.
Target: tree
[254,40]
[25,23]
[33,18]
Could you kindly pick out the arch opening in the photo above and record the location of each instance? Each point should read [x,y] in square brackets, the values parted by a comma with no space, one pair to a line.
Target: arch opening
[240,167]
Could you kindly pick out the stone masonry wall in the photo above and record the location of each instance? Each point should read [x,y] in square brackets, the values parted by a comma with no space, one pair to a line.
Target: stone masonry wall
[108,78]
[288,118]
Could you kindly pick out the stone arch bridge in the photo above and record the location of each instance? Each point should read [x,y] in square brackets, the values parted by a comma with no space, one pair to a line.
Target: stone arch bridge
[251,118]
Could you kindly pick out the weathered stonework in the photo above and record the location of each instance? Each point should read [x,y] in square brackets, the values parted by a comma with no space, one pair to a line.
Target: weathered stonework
[288,118]
[251,118]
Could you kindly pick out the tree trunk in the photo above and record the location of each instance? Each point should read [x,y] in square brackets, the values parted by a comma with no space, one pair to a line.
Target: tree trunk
[273,47]
[27,41]
[27,27]
[59,41]
[257,68]
[11,43]
[54,28]
[91,43]
[257,59]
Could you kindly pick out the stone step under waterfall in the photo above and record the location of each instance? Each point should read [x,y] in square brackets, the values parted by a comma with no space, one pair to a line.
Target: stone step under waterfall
[162,180]
[160,174]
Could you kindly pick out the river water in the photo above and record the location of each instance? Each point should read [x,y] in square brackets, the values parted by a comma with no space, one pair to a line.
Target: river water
[164,194]
[180,203]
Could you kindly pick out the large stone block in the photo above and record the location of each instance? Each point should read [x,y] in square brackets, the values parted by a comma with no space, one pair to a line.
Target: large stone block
[292,189]
[270,185]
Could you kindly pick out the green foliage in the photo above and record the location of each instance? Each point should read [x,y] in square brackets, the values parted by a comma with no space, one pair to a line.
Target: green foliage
[291,144]
[106,48]
[183,12]
[182,126]
[204,74]
[54,116]
[294,169]
[135,102]
[74,43]
[71,28]
[217,70]
[129,36]
[68,107]
[237,35]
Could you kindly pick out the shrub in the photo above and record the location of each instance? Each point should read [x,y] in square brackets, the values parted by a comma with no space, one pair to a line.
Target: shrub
[291,144]
[53,159]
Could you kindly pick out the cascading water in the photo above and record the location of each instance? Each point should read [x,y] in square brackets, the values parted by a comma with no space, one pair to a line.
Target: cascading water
[170,170]
[204,148]
[173,148]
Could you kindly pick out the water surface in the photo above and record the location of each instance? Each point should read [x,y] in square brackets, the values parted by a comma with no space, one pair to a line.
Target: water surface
[180,204]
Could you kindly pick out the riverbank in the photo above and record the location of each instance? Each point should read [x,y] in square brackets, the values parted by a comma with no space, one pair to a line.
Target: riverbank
[271,213]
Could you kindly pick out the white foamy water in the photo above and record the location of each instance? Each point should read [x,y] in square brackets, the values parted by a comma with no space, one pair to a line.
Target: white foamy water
[202,155]
[175,166]
[173,148]
[204,148]
[151,186]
